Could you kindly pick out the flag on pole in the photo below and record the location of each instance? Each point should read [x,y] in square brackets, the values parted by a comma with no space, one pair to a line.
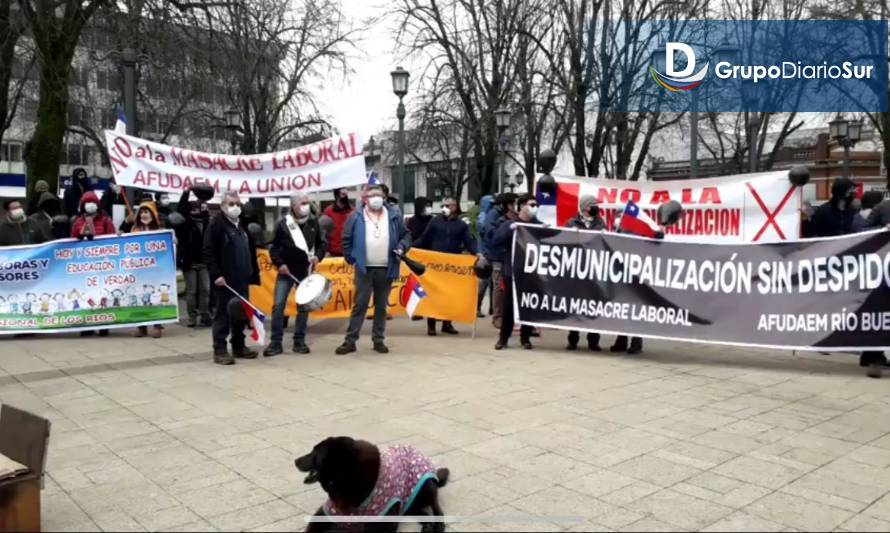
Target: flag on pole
[412,294]
[634,220]
[257,321]
[121,125]
[374,179]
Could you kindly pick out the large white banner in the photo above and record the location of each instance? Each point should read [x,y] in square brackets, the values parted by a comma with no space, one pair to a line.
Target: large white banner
[762,207]
[325,165]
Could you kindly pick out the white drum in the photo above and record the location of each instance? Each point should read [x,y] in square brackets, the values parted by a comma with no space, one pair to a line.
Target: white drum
[313,293]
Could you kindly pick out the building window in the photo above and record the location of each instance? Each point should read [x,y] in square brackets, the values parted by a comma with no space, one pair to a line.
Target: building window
[11,152]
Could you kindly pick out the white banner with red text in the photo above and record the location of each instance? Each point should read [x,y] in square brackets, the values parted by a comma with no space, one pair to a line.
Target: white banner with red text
[762,207]
[325,165]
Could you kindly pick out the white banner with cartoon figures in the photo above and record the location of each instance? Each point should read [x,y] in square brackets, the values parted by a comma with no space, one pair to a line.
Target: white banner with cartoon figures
[70,285]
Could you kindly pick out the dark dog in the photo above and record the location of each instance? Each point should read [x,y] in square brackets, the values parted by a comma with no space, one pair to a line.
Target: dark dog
[360,479]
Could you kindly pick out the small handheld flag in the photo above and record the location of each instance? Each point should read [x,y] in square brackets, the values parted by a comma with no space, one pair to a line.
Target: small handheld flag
[121,125]
[257,321]
[412,294]
[374,179]
[634,220]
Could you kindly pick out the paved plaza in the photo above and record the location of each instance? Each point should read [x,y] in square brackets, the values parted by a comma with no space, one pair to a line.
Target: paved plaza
[150,435]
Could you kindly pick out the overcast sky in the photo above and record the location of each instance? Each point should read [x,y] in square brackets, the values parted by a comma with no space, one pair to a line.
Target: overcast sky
[364,101]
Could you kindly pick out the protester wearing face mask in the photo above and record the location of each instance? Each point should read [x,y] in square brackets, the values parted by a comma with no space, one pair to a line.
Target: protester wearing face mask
[451,235]
[80,184]
[146,219]
[49,218]
[526,212]
[373,238]
[836,216]
[339,212]
[190,239]
[423,214]
[91,220]
[504,213]
[230,256]
[588,218]
[16,229]
[297,246]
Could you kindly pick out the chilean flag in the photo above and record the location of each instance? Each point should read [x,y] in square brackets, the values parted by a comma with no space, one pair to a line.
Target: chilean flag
[120,126]
[412,294]
[257,321]
[557,208]
[636,221]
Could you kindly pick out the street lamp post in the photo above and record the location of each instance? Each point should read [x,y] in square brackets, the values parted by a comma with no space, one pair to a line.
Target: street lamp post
[233,124]
[847,133]
[400,88]
[502,121]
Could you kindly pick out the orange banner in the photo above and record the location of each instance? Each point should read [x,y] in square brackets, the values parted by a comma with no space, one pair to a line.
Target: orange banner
[449,281]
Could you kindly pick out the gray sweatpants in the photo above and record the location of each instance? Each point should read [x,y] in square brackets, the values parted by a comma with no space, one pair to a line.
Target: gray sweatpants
[377,282]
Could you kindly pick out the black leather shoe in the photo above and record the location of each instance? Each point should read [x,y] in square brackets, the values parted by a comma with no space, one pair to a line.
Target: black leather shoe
[244,352]
[301,348]
[379,347]
[431,332]
[527,345]
[572,347]
[500,345]
[103,332]
[345,348]
[222,357]
[618,348]
[272,350]
[449,329]
[594,348]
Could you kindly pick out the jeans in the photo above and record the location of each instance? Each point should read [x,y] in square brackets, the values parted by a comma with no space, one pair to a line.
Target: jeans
[197,291]
[498,295]
[283,286]
[222,323]
[378,282]
[507,320]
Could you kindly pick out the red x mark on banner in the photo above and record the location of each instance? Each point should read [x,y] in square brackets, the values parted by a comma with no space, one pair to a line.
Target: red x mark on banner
[770,216]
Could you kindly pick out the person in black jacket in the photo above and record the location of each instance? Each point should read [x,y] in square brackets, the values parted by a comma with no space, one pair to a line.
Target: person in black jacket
[230,256]
[838,215]
[294,256]
[423,214]
[80,184]
[451,235]
[190,239]
[588,218]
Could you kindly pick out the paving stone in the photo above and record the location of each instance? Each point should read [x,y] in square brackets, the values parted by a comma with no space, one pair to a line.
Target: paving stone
[799,513]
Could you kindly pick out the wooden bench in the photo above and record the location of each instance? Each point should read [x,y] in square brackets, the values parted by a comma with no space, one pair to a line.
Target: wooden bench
[24,438]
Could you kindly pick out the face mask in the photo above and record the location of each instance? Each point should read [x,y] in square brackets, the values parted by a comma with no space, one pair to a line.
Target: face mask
[344,200]
[204,208]
[376,202]
[90,208]
[532,210]
[446,211]
[593,211]
[304,211]
[233,211]
[165,202]
[427,211]
[17,214]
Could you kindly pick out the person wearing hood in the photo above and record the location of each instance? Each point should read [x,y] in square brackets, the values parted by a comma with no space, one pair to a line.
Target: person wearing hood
[297,246]
[17,229]
[190,239]
[91,221]
[48,208]
[526,212]
[588,218]
[80,184]
[447,234]
[837,216]
[40,187]
[486,204]
[339,212]
[229,252]
[504,212]
[146,219]
[423,214]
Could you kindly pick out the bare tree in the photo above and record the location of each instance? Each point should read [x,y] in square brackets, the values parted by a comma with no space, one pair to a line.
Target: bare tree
[15,62]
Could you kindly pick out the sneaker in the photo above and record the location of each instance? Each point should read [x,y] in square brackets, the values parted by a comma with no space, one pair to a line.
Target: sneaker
[272,350]
[500,345]
[431,332]
[301,348]
[615,348]
[571,347]
[345,348]
[243,352]
[379,347]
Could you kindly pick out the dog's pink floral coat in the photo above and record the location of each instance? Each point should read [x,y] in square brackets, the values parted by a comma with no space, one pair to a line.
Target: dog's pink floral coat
[403,471]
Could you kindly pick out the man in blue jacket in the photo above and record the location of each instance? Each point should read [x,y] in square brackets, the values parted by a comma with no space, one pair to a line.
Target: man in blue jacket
[373,235]
[451,235]
[503,213]
[486,204]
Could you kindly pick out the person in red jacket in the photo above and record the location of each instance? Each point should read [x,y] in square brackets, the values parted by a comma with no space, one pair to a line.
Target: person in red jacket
[91,221]
[339,212]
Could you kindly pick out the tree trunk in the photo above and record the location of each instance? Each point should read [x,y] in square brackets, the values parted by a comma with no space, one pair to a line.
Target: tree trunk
[44,150]
[9,35]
